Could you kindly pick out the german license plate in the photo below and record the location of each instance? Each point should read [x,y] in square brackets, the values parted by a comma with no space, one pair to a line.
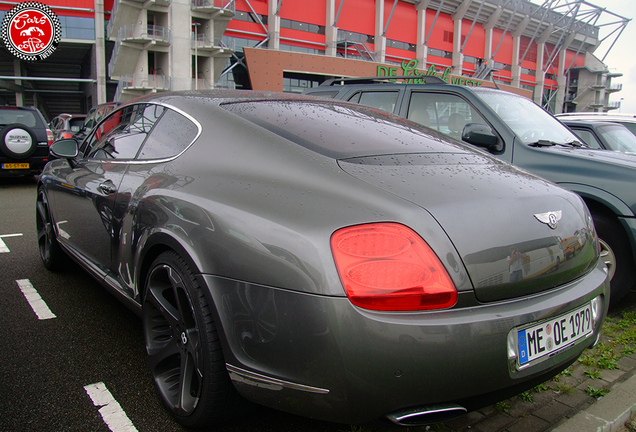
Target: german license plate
[550,336]
[15,166]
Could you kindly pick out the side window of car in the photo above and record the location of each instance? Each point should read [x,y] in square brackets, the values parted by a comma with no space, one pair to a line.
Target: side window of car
[91,142]
[172,134]
[588,138]
[384,100]
[122,134]
[446,113]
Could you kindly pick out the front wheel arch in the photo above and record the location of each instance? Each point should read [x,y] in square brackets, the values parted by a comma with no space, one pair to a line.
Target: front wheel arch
[152,248]
[615,247]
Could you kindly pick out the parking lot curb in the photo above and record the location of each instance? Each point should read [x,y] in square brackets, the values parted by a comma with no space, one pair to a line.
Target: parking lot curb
[607,414]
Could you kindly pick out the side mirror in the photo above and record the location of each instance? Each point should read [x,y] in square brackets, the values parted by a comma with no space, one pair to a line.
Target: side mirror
[482,136]
[64,148]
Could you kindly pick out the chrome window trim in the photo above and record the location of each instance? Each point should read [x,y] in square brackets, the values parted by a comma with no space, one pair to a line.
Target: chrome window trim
[153,161]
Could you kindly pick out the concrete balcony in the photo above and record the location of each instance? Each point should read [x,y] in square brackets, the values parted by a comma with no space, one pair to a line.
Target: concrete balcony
[614,88]
[131,39]
[151,33]
[131,86]
[216,8]
[124,13]
[206,47]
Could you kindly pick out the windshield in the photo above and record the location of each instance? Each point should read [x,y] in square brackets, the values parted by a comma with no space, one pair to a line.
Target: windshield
[618,138]
[529,121]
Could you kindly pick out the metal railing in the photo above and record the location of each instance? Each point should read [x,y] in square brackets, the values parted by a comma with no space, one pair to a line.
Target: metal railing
[111,21]
[149,32]
[131,32]
[354,49]
[144,82]
[203,41]
[228,5]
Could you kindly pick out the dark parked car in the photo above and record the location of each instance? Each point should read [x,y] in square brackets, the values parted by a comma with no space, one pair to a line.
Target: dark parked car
[603,135]
[322,257]
[66,125]
[24,141]
[517,130]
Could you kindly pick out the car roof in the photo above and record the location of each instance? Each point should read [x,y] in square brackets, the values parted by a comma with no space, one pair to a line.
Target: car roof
[582,122]
[631,118]
[220,96]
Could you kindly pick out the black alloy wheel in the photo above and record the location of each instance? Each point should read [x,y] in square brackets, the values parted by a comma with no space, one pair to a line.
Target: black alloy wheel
[182,345]
[52,255]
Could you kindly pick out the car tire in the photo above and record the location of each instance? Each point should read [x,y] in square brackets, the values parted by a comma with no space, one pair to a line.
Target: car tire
[52,255]
[17,141]
[617,254]
[182,345]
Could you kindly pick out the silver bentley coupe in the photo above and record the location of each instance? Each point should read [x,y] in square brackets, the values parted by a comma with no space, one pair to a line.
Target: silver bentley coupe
[322,258]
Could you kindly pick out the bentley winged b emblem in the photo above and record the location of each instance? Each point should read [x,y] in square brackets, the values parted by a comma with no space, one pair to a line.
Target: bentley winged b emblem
[551,219]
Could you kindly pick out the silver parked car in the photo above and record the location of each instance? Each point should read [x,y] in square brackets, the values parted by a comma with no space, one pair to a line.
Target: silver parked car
[323,258]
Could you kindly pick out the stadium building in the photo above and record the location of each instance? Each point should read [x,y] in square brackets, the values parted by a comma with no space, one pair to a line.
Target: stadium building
[120,49]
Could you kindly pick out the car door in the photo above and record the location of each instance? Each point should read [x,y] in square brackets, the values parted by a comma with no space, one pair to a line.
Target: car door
[86,193]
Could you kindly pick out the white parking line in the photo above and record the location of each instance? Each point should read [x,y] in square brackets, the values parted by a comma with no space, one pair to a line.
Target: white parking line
[37,304]
[3,246]
[114,417]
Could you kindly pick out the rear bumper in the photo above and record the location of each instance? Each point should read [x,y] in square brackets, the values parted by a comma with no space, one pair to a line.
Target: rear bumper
[321,357]
[36,164]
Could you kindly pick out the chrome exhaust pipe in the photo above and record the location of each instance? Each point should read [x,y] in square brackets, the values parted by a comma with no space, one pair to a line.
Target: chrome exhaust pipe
[422,416]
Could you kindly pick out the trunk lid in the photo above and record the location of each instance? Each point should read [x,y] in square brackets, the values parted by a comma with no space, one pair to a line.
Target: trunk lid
[516,233]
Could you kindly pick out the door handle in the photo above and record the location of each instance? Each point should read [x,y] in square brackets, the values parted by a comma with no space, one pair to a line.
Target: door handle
[107,187]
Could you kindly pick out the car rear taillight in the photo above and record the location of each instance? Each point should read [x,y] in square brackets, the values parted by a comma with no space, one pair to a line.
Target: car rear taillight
[389,267]
[49,136]
[66,135]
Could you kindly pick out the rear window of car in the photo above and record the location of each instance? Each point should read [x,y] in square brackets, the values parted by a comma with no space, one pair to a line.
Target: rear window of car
[342,131]
[24,117]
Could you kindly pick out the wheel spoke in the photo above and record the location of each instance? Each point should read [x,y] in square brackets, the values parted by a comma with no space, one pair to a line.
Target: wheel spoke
[42,212]
[608,257]
[41,233]
[163,351]
[182,303]
[44,229]
[161,295]
[190,383]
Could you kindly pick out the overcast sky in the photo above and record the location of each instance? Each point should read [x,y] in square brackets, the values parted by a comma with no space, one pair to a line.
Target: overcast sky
[621,57]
